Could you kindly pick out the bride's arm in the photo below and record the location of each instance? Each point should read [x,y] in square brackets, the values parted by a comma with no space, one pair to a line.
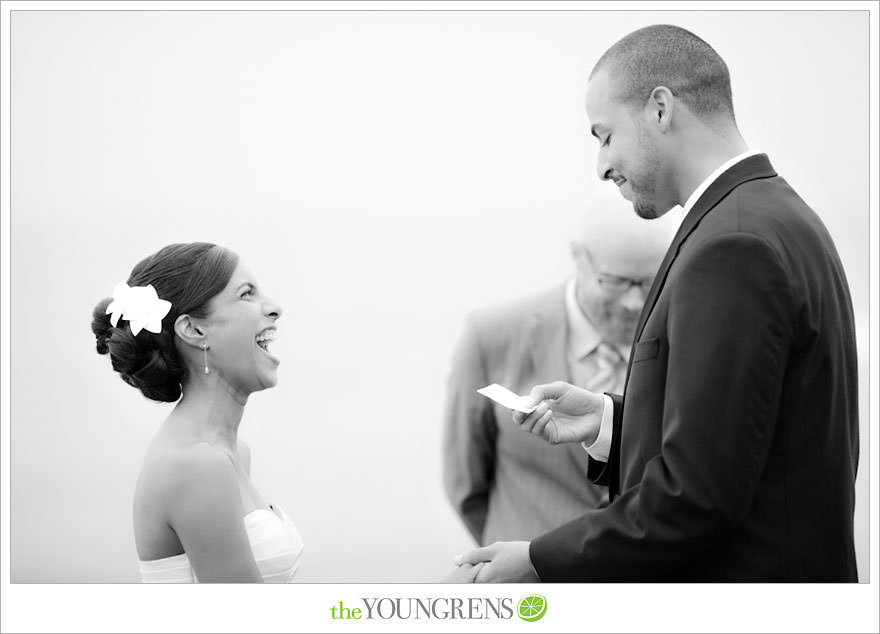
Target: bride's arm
[205,510]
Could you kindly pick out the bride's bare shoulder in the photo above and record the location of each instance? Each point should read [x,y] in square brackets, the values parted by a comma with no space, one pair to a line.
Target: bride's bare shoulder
[180,468]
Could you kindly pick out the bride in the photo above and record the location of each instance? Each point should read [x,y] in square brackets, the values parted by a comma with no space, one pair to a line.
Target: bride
[192,326]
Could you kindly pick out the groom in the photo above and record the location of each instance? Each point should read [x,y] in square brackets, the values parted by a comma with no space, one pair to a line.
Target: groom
[732,454]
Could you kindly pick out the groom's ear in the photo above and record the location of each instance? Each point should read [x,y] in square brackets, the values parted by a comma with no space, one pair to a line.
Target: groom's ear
[189,331]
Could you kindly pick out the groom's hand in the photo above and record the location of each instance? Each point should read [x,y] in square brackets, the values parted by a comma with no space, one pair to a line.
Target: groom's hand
[505,562]
[464,573]
[564,413]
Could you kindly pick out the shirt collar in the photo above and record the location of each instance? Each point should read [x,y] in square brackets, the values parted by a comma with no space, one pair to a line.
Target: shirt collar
[583,337]
[695,196]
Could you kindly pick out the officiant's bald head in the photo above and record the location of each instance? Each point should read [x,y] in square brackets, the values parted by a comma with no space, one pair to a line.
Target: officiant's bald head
[616,257]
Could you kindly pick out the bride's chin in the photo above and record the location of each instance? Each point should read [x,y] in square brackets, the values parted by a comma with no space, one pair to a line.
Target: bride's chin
[268,381]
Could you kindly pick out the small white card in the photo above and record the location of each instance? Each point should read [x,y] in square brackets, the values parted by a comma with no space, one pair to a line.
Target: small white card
[503,396]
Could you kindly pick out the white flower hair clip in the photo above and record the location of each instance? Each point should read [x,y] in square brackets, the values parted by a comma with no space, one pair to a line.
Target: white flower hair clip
[140,305]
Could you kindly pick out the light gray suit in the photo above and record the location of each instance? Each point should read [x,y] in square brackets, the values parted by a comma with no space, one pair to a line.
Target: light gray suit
[504,483]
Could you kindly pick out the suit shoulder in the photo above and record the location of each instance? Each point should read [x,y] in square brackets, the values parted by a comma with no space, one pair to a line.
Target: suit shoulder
[772,204]
[771,210]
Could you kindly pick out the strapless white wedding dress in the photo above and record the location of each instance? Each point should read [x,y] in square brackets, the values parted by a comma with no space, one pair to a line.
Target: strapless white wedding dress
[275,542]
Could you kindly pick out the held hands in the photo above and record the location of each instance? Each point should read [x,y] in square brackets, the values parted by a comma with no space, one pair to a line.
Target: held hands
[565,413]
[497,563]
[465,573]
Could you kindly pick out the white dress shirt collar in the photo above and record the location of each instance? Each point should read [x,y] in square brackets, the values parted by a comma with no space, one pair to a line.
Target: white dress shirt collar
[695,196]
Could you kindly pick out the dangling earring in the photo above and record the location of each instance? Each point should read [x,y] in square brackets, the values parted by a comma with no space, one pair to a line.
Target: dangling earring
[205,349]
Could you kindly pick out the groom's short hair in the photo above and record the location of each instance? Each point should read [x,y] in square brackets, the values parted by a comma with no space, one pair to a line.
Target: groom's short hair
[667,55]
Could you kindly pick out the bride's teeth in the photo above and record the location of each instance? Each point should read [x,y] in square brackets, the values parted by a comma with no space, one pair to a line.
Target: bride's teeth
[265,338]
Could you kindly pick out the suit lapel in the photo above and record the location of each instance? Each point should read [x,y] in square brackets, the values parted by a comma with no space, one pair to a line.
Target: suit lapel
[547,339]
[751,168]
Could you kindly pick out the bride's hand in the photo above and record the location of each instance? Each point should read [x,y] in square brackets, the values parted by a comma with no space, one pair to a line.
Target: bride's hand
[465,573]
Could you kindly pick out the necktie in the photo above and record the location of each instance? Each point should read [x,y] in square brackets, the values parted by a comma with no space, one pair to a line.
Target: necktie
[609,370]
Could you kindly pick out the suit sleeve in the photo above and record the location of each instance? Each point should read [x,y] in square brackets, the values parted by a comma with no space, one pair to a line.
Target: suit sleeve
[729,332]
[603,473]
[469,435]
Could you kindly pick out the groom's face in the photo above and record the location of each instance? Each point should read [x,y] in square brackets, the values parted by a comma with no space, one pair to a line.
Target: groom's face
[630,154]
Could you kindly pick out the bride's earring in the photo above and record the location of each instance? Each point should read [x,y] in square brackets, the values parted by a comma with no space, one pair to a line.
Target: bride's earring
[205,349]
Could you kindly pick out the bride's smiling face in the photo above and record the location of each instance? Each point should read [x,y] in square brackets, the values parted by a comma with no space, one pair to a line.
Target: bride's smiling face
[239,332]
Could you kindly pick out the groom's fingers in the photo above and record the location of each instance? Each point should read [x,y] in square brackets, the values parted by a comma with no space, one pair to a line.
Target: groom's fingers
[465,573]
[476,556]
[538,396]
[528,423]
[541,423]
[484,575]
[475,570]
[548,392]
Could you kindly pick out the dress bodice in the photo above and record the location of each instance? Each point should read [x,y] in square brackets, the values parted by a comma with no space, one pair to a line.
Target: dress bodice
[274,540]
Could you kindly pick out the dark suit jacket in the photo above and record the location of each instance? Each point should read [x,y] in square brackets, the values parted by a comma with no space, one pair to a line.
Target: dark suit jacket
[736,440]
[503,483]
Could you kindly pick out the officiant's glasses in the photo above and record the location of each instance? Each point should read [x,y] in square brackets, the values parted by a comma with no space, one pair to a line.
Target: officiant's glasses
[617,284]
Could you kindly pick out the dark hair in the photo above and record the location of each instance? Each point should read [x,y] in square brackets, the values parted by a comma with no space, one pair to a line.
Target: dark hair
[666,55]
[188,276]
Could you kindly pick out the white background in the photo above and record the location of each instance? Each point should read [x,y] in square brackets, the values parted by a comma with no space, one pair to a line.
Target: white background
[382,173]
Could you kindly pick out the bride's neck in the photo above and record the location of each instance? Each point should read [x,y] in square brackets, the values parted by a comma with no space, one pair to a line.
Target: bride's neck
[212,412]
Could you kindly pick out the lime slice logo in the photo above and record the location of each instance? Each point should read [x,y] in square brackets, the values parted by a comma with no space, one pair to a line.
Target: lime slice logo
[532,607]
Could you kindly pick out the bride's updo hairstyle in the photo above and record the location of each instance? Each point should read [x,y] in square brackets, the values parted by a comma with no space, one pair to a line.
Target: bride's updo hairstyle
[188,276]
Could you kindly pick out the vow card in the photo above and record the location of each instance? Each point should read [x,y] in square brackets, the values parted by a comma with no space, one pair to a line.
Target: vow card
[503,396]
